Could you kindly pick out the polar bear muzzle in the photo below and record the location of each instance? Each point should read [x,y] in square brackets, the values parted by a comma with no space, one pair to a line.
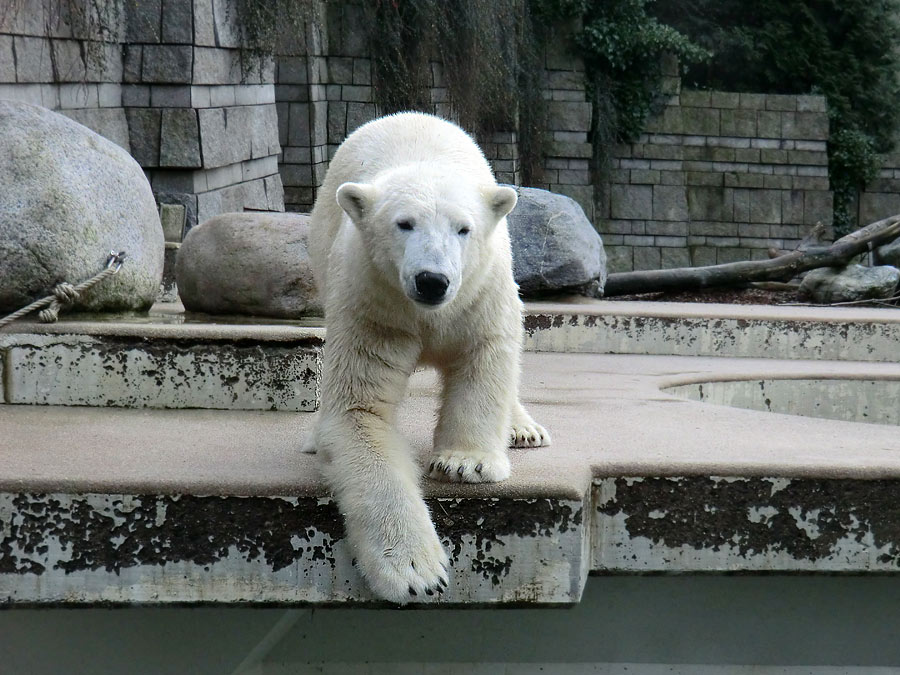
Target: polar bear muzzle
[431,287]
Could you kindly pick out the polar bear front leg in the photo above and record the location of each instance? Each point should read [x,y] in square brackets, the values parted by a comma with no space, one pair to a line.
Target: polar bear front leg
[472,433]
[369,467]
[387,522]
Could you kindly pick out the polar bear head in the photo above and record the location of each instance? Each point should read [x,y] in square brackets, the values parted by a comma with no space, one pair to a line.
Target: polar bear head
[428,230]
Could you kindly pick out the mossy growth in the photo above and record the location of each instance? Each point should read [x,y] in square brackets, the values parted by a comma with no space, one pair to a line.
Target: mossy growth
[487,55]
[94,23]
[269,27]
[845,51]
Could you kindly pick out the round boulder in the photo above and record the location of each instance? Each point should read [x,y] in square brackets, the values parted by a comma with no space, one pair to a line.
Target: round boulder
[555,247]
[827,285]
[889,254]
[252,263]
[67,198]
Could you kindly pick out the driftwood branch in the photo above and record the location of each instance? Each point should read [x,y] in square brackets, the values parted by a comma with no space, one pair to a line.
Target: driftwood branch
[812,238]
[782,268]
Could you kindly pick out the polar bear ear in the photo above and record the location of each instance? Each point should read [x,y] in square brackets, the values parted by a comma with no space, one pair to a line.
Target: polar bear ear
[356,199]
[501,200]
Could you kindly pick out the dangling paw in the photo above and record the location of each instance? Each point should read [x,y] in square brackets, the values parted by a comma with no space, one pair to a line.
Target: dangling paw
[410,567]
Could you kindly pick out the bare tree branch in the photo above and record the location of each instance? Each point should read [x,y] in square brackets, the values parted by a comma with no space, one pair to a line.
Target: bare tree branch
[782,268]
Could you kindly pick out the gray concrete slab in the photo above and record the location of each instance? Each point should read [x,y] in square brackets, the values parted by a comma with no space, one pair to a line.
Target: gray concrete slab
[158,506]
[582,325]
[607,414]
[571,324]
[160,372]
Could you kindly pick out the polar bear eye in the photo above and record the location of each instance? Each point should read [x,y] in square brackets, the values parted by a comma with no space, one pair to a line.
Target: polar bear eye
[405,225]
[464,231]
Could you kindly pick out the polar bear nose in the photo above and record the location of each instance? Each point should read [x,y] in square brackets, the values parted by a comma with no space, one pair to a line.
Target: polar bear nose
[431,287]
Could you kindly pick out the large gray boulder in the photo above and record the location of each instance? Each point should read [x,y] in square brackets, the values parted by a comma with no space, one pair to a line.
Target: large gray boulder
[67,198]
[248,263]
[555,247]
[834,284]
[889,254]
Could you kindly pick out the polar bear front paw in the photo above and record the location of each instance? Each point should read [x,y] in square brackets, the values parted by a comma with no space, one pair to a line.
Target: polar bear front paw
[529,434]
[408,570]
[469,466]
[525,432]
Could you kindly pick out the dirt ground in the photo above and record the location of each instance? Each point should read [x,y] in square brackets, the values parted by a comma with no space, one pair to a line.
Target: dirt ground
[745,296]
[735,296]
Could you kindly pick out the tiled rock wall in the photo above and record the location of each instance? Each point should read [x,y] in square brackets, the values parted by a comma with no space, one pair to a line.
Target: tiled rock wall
[201,111]
[718,177]
[172,87]
[881,198]
[324,91]
[49,57]
[566,164]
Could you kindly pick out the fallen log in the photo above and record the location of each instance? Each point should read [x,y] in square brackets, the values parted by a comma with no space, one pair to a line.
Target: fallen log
[812,238]
[782,268]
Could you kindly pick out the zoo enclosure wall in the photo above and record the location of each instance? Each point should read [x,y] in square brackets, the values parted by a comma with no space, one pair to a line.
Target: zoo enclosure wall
[717,176]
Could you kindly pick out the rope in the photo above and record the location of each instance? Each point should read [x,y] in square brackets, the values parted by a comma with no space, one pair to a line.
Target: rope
[64,295]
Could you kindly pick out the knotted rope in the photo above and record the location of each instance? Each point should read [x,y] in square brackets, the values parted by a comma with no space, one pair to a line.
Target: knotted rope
[65,295]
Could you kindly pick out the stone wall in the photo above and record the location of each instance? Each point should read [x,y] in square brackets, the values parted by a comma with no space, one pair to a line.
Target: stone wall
[324,91]
[718,177]
[881,198]
[171,86]
[566,164]
[52,59]
[211,105]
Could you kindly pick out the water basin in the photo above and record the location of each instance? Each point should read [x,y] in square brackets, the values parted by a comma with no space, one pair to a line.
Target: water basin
[874,401]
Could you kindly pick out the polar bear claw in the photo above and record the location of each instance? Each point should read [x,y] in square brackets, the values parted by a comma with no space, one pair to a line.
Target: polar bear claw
[417,567]
[526,433]
[469,466]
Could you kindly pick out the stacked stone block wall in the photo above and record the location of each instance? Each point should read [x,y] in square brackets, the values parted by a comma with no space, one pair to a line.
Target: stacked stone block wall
[171,85]
[567,162]
[718,177]
[324,91]
[201,110]
[881,198]
[53,59]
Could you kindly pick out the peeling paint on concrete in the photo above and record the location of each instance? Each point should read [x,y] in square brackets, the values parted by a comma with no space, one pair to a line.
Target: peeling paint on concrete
[130,372]
[709,336]
[95,548]
[533,543]
[718,524]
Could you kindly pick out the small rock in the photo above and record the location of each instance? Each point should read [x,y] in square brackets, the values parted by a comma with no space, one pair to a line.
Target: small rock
[889,254]
[67,198]
[827,285]
[252,263]
[554,245]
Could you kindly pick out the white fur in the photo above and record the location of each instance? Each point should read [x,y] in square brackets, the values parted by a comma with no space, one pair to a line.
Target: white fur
[426,172]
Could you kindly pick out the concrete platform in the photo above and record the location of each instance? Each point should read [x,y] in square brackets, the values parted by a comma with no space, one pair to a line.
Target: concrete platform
[162,506]
[170,359]
[164,360]
[697,329]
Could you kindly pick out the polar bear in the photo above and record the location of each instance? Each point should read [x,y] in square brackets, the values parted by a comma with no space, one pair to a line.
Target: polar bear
[411,254]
